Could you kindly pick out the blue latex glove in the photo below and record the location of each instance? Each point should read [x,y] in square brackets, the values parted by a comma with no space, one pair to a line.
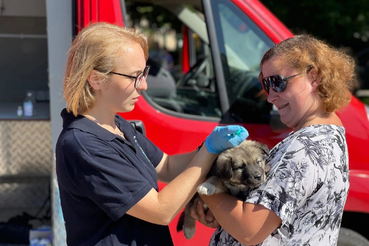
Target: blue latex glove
[225,137]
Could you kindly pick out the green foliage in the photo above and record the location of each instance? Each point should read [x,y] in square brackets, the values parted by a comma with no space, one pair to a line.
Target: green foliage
[339,22]
[365,100]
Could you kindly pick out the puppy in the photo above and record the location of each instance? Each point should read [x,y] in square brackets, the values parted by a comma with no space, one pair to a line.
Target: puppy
[235,171]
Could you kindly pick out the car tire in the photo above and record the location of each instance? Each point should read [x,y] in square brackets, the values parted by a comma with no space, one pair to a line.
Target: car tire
[349,237]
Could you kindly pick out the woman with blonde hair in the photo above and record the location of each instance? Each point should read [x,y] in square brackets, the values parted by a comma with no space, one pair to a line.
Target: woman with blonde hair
[107,171]
[302,200]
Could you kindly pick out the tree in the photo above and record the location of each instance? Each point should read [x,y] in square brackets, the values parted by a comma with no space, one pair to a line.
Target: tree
[339,22]
[343,24]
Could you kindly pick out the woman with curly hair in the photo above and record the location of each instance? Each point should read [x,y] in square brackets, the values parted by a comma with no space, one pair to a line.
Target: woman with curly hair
[302,200]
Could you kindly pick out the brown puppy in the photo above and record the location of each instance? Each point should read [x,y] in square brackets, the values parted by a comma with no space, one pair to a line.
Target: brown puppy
[235,171]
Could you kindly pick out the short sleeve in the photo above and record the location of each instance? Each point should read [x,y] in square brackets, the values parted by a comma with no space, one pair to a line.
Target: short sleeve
[154,154]
[143,144]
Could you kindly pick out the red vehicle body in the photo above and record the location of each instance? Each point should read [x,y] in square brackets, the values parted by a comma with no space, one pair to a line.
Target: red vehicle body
[178,132]
[222,42]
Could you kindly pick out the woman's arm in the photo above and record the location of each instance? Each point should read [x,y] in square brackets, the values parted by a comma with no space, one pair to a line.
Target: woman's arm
[249,223]
[171,166]
[161,207]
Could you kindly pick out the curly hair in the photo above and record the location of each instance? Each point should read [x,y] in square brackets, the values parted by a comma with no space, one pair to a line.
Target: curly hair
[96,47]
[333,66]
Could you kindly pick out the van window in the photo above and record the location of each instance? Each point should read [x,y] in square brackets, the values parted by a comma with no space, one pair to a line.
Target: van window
[242,45]
[194,94]
[190,95]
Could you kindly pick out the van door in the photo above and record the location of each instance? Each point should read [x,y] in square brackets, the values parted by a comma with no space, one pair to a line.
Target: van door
[238,44]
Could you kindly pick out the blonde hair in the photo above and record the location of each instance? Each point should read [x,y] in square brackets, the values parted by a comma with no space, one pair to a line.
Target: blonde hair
[96,47]
[333,66]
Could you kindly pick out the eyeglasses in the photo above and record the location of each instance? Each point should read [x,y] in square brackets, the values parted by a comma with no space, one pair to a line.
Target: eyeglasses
[138,79]
[277,82]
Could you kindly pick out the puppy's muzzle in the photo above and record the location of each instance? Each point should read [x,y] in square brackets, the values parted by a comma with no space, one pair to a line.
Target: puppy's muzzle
[254,180]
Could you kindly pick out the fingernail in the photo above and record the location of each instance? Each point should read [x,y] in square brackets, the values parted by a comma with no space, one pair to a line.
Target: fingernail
[232,134]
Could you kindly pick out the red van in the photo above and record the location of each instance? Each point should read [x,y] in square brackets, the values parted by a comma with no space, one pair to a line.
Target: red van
[219,46]
[223,42]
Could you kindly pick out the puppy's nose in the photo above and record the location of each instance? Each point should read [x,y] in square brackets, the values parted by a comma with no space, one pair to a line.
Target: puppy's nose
[257,177]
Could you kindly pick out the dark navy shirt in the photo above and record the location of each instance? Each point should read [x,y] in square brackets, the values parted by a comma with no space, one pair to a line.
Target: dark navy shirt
[101,176]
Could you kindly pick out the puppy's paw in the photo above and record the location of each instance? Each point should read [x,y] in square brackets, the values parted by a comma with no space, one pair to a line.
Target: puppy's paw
[189,232]
[211,186]
[206,189]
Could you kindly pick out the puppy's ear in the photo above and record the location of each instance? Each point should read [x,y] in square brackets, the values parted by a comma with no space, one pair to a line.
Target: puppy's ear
[263,147]
[223,167]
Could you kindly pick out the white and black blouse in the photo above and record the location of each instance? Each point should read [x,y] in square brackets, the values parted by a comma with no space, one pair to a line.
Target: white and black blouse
[306,187]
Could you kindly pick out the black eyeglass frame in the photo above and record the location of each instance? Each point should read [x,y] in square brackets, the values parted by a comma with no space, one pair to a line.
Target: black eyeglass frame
[270,82]
[136,78]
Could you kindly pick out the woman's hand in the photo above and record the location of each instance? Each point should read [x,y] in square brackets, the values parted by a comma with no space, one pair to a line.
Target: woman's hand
[225,137]
[207,218]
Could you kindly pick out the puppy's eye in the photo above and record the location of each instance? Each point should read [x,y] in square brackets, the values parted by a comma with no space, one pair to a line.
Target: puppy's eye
[238,167]
[259,162]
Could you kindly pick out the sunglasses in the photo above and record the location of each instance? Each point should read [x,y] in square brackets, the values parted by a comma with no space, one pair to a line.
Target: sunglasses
[139,78]
[277,82]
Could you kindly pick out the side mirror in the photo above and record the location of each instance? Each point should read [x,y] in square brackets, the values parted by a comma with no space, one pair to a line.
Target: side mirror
[139,126]
[275,121]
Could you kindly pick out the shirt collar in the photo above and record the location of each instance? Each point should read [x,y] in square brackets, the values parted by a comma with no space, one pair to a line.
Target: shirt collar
[82,123]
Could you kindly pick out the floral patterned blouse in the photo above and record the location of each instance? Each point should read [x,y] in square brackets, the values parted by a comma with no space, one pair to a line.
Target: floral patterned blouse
[306,187]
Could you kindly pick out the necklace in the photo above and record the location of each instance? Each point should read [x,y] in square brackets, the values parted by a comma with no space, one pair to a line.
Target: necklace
[111,129]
